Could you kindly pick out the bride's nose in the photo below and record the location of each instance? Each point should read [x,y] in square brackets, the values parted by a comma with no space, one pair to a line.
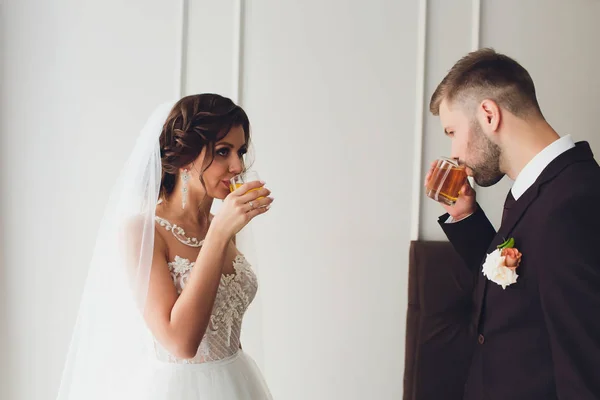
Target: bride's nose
[236,166]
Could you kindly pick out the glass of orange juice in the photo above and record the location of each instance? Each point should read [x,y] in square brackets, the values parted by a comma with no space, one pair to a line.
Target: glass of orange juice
[244,177]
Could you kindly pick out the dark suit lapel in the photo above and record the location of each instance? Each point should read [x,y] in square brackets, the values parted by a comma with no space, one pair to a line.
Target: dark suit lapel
[581,152]
[516,213]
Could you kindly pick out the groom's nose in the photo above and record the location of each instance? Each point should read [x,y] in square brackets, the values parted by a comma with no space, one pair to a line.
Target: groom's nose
[455,151]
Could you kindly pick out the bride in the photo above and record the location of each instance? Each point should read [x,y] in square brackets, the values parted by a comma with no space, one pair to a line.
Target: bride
[162,309]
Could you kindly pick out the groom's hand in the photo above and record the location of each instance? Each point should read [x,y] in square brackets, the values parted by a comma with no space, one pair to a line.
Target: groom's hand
[464,206]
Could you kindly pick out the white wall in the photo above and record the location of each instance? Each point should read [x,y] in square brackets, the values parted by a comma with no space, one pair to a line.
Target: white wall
[330,87]
[80,77]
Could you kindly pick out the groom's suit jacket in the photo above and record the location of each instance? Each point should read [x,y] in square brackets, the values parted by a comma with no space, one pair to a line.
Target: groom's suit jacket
[540,337]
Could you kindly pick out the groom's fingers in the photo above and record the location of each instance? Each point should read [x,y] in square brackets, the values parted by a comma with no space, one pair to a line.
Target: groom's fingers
[466,189]
[430,172]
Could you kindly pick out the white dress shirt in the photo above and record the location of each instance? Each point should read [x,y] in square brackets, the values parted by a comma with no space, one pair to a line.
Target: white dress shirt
[536,166]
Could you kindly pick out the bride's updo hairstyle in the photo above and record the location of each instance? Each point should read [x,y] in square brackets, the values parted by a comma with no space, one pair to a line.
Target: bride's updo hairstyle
[196,122]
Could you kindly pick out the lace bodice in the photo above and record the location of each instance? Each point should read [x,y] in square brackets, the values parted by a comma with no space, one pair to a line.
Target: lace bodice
[235,293]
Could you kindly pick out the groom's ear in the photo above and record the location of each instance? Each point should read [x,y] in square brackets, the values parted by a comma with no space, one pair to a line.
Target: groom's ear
[489,116]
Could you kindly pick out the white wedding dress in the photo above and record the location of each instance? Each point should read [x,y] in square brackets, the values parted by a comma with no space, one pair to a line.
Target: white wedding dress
[220,370]
[112,354]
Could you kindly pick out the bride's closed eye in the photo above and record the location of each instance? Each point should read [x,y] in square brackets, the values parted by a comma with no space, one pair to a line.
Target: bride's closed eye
[225,151]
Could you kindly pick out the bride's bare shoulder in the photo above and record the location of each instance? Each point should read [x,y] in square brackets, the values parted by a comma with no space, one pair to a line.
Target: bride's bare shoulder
[140,229]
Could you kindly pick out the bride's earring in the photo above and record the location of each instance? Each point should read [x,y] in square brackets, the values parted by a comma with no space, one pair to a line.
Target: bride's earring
[185,178]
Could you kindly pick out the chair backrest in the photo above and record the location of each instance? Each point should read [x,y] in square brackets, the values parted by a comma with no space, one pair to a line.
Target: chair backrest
[439,334]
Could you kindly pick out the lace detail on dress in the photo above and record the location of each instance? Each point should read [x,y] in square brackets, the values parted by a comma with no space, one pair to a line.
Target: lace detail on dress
[235,293]
[234,300]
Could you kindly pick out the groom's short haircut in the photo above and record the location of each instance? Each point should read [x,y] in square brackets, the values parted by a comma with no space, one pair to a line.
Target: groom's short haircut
[486,74]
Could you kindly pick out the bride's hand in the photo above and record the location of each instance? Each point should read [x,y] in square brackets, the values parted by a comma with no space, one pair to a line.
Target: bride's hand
[240,207]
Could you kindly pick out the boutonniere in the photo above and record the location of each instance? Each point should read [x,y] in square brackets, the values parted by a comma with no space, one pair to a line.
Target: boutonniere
[500,266]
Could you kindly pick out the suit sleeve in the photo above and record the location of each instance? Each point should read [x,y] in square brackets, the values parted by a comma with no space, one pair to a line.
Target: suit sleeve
[569,282]
[470,237]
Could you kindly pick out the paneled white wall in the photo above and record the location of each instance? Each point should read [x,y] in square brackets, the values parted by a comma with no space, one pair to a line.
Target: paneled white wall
[330,90]
[79,80]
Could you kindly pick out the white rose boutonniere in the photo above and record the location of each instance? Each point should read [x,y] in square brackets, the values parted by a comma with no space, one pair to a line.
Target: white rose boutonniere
[500,266]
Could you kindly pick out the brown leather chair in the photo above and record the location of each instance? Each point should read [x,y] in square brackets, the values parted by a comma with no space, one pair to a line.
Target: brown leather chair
[439,333]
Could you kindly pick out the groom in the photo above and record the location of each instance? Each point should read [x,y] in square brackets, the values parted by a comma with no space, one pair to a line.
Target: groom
[538,337]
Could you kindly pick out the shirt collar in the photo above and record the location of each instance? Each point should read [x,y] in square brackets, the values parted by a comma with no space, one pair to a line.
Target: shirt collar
[536,166]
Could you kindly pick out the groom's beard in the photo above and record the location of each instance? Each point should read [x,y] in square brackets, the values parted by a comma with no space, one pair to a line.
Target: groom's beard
[486,172]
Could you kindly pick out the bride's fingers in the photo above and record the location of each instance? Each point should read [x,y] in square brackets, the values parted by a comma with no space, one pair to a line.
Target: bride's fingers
[246,187]
[254,194]
[260,203]
[257,211]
